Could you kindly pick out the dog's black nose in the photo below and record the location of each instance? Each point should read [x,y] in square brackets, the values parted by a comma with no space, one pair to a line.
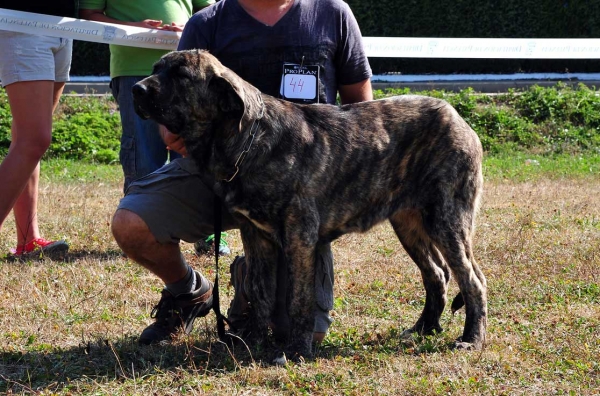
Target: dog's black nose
[139,89]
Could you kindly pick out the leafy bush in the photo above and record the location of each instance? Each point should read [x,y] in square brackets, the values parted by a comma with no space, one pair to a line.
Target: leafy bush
[485,19]
[85,128]
[86,136]
[555,120]
[559,119]
[5,121]
[90,59]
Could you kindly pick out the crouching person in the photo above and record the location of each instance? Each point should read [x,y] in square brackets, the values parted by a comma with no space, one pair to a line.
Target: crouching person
[176,202]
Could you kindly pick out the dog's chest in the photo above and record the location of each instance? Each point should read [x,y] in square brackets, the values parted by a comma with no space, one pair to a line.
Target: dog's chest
[262,225]
[258,211]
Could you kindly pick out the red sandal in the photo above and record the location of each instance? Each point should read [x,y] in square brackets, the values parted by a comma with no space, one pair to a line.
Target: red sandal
[41,247]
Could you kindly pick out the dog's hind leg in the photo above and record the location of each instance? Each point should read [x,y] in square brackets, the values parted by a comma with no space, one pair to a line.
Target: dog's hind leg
[452,235]
[408,226]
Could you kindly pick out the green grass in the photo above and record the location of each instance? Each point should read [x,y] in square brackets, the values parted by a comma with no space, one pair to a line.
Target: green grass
[58,170]
[520,166]
[70,327]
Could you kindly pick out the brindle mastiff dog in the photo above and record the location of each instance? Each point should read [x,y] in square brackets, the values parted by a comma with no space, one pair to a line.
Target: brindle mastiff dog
[302,174]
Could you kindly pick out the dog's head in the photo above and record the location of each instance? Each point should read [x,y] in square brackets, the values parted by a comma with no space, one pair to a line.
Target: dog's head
[191,91]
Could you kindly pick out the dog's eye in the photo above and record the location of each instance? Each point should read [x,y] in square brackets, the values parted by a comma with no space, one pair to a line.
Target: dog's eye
[184,72]
[158,70]
[158,66]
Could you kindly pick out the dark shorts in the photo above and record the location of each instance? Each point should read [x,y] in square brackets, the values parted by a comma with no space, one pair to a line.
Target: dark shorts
[176,204]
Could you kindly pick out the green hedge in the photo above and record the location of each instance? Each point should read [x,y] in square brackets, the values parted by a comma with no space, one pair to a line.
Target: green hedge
[560,119]
[485,19]
[462,18]
[90,59]
[85,128]
[445,18]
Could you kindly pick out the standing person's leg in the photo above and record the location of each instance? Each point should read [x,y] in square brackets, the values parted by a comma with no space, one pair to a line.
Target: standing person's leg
[31,138]
[158,211]
[34,70]
[25,208]
[142,149]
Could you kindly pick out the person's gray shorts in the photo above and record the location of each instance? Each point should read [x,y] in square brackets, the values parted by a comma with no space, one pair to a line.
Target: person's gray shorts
[176,204]
[27,57]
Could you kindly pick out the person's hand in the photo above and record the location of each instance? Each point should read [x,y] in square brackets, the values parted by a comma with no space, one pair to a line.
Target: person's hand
[174,142]
[158,25]
[173,27]
[148,24]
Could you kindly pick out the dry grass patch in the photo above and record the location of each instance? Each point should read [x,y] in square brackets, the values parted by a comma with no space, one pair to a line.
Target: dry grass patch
[71,327]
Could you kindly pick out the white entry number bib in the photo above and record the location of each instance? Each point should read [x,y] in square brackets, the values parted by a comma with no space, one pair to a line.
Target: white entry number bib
[300,83]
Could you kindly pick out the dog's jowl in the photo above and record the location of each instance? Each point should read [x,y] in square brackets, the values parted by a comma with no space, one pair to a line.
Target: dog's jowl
[302,174]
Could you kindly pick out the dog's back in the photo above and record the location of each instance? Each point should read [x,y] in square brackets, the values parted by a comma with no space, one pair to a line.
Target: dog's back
[404,152]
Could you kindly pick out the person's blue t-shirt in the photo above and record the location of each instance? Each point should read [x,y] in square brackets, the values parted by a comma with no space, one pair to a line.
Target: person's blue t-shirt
[312,32]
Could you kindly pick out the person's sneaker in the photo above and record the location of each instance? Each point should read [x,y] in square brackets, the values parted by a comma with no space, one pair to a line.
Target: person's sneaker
[41,248]
[173,313]
[205,246]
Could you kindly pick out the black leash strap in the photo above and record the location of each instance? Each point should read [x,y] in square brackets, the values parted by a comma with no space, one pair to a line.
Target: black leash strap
[221,319]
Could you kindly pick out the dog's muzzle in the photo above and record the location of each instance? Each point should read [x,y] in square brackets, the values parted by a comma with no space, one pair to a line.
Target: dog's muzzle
[140,98]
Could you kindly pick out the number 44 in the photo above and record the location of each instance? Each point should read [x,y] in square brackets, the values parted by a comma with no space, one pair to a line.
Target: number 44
[299,83]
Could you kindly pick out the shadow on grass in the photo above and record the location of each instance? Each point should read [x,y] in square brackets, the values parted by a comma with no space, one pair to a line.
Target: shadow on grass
[71,256]
[388,341]
[109,254]
[102,361]
[123,361]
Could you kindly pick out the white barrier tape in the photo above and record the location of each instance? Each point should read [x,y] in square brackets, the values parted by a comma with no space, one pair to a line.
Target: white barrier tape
[384,47]
[81,29]
[492,48]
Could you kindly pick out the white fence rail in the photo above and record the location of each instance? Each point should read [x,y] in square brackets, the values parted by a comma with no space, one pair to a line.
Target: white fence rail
[386,47]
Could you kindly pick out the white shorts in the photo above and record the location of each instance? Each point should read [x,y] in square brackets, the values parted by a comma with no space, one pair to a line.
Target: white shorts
[27,57]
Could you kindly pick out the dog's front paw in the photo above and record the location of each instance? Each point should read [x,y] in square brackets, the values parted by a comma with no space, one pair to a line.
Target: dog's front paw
[300,349]
[408,334]
[280,359]
[459,344]
[421,329]
[463,346]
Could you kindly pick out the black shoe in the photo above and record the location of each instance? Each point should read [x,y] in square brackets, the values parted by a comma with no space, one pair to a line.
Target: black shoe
[175,313]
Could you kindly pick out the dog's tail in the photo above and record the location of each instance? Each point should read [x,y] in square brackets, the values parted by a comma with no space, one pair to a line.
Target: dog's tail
[457,303]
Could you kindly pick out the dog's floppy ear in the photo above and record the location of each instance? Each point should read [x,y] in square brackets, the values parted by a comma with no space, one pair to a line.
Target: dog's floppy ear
[241,100]
[228,93]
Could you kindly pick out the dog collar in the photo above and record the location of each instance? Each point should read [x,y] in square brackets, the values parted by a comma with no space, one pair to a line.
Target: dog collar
[248,144]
